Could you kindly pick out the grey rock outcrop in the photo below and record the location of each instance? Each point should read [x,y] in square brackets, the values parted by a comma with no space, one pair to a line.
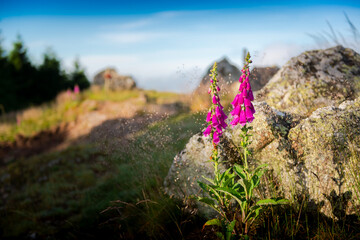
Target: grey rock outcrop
[311,157]
[227,72]
[314,79]
[260,76]
[111,80]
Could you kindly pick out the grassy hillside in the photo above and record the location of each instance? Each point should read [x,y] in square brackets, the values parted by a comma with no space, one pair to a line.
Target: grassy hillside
[62,193]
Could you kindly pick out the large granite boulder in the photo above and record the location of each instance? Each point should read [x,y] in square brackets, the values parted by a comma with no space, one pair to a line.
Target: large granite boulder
[310,157]
[111,80]
[314,79]
[326,148]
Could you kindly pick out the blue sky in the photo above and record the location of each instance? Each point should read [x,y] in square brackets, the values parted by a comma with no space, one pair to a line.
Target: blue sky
[167,45]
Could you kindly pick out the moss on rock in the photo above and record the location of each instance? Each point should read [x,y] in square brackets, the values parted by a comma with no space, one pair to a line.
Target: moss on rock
[314,79]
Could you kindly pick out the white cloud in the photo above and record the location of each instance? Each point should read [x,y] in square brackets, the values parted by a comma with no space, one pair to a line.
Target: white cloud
[129,37]
[277,54]
[95,63]
[136,24]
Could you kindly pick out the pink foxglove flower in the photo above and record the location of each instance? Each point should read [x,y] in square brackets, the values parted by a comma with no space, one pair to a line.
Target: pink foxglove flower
[76,89]
[216,116]
[243,108]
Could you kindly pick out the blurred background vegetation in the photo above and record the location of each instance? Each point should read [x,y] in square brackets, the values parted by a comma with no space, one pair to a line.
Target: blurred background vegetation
[25,84]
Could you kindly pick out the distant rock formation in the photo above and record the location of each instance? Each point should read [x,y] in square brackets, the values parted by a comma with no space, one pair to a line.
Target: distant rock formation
[260,76]
[230,74]
[314,79]
[111,80]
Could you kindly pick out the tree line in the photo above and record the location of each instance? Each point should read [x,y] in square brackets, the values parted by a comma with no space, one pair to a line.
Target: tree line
[23,83]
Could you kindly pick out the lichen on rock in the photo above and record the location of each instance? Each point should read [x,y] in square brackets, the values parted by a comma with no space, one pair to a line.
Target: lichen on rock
[314,79]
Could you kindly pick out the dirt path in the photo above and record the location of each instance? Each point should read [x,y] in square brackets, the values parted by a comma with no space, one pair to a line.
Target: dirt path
[109,126]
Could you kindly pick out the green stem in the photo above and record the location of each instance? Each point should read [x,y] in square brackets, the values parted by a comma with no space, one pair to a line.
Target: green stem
[216,171]
[245,158]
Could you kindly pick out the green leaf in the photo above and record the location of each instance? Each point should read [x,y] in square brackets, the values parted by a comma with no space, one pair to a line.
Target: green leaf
[247,187]
[211,190]
[239,170]
[255,181]
[254,212]
[225,176]
[237,196]
[261,167]
[243,205]
[210,202]
[220,235]
[239,188]
[272,201]
[213,222]
[229,230]
[228,181]
[282,201]
[204,186]
[209,180]
[258,173]
[206,200]
[231,226]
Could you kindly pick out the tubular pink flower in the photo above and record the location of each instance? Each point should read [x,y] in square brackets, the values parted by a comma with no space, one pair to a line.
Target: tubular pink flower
[235,101]
[251,96]
[216,139]
[236,111]
[215,116]
[220,113]
[244,93]
[238,100]
[218,129]
[223,124]
[249,115]
[242,118]
[214,120]
[208,117]
[252,109]
[215,100]
[242,86]
[235,121]
[247,102]
[243,111]
[207,131]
